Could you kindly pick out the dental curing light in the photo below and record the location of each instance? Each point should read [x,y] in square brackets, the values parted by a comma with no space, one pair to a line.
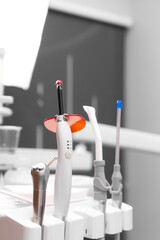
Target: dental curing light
[40,174]
[116,187]
[63,125]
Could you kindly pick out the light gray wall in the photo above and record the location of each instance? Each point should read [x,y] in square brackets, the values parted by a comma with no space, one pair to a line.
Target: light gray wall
[114,6]
[142,111]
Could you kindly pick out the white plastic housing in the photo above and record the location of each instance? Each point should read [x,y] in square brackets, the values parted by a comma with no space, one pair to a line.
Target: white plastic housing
[17,224]
[113,219]
[127,217]
[53,228]
[83,220]
[74,225]
[118,219]
[92,217]
[63,178]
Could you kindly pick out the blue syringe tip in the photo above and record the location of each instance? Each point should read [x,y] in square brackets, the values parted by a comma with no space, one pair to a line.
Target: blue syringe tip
[119,104]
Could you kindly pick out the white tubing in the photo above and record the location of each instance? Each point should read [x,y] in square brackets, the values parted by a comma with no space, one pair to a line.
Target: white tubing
[97,135]
[130,139]
[118,135]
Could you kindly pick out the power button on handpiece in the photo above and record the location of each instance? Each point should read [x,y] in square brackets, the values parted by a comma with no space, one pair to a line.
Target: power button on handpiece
[68,155]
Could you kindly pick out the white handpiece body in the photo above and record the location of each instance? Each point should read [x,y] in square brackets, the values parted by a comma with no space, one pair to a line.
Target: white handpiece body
[63,178]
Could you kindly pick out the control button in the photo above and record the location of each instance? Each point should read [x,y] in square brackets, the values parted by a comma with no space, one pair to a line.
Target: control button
[68,155]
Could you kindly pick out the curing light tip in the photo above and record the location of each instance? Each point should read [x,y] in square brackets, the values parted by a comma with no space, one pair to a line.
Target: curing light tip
[59,82]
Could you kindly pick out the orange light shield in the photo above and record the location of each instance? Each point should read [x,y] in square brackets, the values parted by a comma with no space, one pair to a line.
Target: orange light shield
[76,122]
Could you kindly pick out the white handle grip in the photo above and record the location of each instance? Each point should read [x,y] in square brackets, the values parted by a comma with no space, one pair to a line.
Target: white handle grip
[63,178]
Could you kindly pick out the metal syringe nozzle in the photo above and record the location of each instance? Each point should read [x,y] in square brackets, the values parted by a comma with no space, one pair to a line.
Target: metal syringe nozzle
[40,174]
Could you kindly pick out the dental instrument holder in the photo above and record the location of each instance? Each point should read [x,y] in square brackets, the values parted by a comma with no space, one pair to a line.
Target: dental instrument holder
[116,187]
[40,174]
[101,185]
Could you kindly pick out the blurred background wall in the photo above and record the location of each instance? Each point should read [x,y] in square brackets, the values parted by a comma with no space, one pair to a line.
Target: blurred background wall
[141,88]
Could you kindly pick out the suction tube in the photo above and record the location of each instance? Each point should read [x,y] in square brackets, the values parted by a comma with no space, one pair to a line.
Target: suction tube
[116,187]
[93,120]
[119,107]
[101,186]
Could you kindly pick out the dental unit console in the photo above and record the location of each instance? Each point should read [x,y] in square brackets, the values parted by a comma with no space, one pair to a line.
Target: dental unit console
[68,216]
